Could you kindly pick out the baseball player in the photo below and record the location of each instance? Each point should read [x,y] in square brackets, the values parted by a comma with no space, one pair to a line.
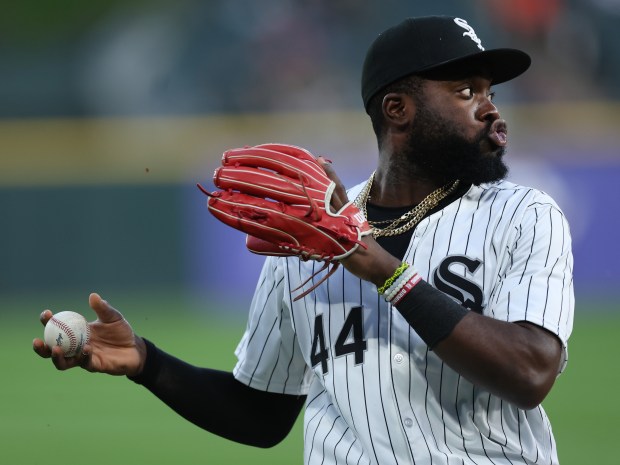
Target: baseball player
[419,318]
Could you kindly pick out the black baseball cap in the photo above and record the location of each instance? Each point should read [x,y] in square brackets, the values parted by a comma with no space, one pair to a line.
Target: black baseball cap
[443,44]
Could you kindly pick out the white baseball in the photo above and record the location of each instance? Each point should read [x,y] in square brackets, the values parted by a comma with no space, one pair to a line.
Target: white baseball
[68,330]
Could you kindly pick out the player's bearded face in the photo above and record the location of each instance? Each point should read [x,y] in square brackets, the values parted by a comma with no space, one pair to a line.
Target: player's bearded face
[444,154]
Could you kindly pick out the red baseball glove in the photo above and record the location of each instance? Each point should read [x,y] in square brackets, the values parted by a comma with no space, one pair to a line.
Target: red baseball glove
[281,197]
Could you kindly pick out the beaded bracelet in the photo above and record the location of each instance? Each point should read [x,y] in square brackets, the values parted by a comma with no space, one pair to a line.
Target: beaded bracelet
[399,283]
[403,266]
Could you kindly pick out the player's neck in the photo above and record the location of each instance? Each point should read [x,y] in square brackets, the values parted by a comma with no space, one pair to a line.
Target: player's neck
[399,188]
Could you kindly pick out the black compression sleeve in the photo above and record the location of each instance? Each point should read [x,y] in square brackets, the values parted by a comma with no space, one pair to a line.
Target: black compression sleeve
[217,402]
[431,313]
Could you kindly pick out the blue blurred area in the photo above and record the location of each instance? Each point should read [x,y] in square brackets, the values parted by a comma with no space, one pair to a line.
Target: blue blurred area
[66,58]
[595,225]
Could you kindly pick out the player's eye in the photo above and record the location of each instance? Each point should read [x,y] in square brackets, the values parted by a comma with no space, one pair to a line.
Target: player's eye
[491,96]
[467,93]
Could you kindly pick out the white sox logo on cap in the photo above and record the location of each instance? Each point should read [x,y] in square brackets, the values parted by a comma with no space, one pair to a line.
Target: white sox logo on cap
[470,32]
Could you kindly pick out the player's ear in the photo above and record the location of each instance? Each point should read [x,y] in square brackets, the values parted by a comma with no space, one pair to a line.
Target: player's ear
[398,109]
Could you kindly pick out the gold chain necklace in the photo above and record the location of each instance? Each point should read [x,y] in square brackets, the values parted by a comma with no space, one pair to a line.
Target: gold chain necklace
[409,219]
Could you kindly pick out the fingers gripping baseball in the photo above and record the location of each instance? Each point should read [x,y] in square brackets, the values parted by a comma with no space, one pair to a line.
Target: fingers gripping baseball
[113,347]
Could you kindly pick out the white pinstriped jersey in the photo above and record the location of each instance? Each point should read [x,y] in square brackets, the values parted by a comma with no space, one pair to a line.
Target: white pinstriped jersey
[376,393]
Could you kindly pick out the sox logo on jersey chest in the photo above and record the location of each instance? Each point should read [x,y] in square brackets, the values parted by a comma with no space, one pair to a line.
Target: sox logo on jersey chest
[465,291]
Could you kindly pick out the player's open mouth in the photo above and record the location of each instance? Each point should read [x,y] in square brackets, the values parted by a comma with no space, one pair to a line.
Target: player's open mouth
[499,133]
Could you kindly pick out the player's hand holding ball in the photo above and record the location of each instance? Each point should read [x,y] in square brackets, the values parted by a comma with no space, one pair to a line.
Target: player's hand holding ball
[106,345]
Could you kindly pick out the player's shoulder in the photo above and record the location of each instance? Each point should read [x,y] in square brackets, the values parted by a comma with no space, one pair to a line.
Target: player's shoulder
[511,192]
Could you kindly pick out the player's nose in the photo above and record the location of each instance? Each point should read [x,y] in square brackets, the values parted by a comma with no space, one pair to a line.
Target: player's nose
[487,111]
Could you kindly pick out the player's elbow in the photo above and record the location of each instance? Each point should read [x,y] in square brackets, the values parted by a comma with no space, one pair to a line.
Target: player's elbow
[272,426]
[268,442]
[268,437]
[530,396]
[537,369]
[530,387]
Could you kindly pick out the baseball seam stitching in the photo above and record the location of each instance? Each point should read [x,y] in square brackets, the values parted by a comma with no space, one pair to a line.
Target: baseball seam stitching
[67,329]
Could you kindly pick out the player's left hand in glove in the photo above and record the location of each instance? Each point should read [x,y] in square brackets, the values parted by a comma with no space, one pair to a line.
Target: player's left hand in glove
[282,198]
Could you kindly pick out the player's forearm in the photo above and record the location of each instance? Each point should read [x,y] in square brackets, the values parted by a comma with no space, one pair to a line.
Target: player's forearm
[215,401]
[516,362]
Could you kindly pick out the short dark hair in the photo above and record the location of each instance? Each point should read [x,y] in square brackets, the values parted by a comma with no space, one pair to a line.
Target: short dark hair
[410,85]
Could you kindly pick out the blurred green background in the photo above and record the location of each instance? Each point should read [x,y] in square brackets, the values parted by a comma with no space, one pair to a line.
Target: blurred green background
[111,112]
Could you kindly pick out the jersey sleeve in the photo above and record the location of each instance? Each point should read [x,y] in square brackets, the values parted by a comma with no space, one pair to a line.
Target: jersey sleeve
[536,282]
[268,354]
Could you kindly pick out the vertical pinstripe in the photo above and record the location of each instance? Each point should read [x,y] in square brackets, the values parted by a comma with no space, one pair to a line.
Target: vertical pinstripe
[402,405]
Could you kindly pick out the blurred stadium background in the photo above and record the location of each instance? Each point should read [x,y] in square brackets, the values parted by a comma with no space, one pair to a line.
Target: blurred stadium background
[112,111]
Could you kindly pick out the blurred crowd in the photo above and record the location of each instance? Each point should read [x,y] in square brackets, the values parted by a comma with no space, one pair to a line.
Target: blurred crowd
[133,57]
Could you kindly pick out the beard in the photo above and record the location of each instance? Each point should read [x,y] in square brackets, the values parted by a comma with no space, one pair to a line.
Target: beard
[442,155]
